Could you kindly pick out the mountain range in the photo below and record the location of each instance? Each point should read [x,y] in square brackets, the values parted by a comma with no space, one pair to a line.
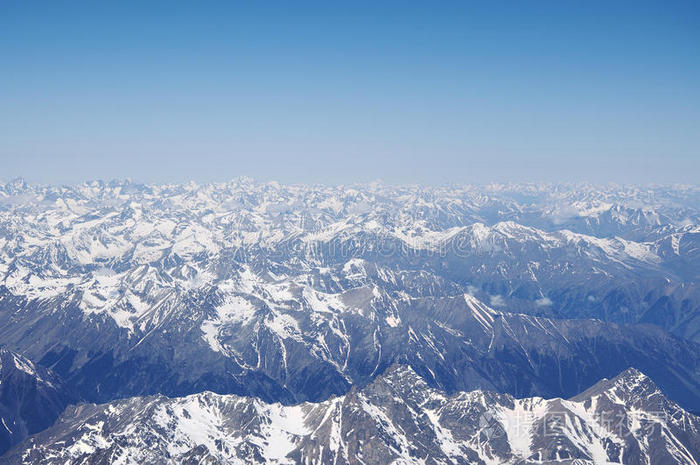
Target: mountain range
[291,295]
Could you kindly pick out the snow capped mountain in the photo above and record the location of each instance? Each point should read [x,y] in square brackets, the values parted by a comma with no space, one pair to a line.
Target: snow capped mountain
[121,287]
[309,293]
[395,419]
[105,245]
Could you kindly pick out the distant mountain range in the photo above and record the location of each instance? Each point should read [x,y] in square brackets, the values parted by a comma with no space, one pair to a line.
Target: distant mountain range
[308,293]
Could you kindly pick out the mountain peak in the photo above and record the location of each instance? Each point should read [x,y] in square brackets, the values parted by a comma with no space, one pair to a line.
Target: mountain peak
[402,375]
[632,378]
[630,374]
[629,385]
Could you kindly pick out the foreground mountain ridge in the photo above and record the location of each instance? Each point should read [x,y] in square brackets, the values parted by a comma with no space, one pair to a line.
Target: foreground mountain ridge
[395,419]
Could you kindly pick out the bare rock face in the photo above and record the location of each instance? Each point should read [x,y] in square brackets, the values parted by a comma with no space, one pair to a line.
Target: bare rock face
[31,398]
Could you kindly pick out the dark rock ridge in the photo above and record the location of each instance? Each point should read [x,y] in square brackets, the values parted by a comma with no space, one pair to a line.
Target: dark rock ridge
[310,345]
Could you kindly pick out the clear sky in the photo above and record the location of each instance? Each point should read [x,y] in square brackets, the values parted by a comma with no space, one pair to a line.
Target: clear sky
[338,92]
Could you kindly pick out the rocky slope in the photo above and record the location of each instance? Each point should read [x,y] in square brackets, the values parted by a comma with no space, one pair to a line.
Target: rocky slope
[31,398]
[310,345]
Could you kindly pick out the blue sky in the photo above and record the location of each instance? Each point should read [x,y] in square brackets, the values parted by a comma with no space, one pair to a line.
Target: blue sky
[339,92]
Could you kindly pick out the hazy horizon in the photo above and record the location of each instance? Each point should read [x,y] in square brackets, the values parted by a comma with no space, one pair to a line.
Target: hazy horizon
[486,184]
[324,93]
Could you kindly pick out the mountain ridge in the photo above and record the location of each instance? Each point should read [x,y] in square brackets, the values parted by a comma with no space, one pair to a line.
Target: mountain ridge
[397,418]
